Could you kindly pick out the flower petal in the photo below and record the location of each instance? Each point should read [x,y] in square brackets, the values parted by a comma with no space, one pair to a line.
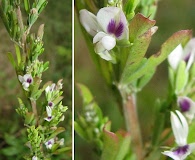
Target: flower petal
[25,85]
[49,111]
[108,42]
[116,17]
[192,147]
[106,15]
[27,76]
[89,22]
[184,124]
[49,143]
[105,55]
[175,57]
[98,37]
[180,130]
[171,154]
[189,52]
[48,119]
[99,47]
[34,158]
[21,79]
[189,47]
[187,107]
[105,42]
[190,61]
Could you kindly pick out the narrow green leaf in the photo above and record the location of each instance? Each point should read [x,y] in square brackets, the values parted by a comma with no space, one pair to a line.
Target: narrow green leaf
[11,151]
[191,135]
[167,47]
[129,8]
[145,79]
[172,77]
[18,54]
[41,5]
[192,72]
[29,117]
[158,124]
[125,140]
[11,59]
[139,25]
[35,87]
[131,69]
[11,140]
[147,2]
[27,6]
[181,77]
[80,131]
[45,66]
[56,132]
[3,10]
[140,35]
[85,93]
[152,11]
[58,99]
[123,43]
[116,145]
[62,150]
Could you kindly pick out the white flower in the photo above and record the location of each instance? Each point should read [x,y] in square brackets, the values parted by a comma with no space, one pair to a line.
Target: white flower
[49,114]
[49,143]
[50,88]
[34,158]
[187,107]
[180,131]
[187,54]
[26,80]
[109,25]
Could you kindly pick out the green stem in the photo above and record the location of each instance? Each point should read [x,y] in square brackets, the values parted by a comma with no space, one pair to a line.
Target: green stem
[132,125]
[34,109]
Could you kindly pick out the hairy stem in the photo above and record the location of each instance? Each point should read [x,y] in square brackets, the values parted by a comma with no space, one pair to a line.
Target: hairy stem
[132,125]
[21,25]
[19,16]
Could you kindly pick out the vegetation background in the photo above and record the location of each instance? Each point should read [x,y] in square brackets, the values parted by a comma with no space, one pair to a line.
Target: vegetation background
[58,44]
[171,16]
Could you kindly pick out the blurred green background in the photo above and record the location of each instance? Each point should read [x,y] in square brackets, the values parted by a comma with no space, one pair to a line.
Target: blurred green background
[57,18]
[171,16]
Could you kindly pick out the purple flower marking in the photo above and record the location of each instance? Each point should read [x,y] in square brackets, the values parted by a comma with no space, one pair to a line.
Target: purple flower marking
[50,117]
[111,27]
[186,58]
[184,105]
[50,104]
[119,29]
[29,80]
[180,151]
[116,29]
[49,142]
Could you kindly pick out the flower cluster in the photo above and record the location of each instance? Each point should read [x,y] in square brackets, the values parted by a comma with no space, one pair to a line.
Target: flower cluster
[181,61]
[107,27]
[54,108]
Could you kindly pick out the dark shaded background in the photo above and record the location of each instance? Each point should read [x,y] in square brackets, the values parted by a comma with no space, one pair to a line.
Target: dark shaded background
[171,16]
[57,42]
